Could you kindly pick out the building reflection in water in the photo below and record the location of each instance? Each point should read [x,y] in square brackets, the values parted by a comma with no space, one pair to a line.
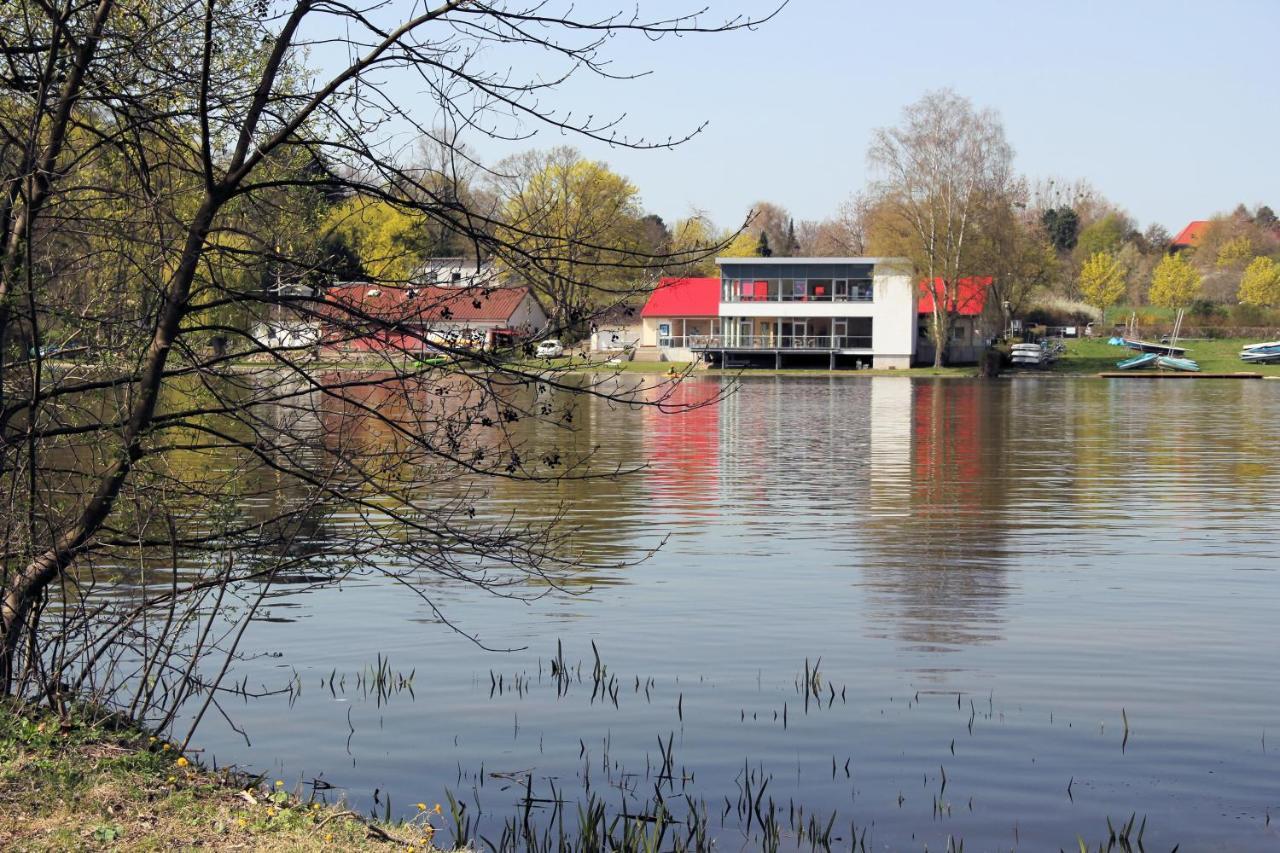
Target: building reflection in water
[937,520]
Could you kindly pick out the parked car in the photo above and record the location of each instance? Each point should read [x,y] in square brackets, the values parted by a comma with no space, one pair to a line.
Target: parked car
[550,348]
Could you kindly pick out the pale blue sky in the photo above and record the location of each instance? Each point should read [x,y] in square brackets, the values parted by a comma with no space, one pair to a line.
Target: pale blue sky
[1168,108]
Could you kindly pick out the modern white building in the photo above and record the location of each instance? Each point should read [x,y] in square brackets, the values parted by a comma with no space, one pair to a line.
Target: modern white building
[776,312]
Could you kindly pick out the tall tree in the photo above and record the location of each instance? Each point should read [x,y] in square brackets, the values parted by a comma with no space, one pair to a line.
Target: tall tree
[936,169]
[572,230]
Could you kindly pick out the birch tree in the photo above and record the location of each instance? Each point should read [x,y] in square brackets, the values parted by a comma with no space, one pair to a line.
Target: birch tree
[934,172]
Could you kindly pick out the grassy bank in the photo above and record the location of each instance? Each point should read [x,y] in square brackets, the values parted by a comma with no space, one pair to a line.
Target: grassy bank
[105,785]
[1088,356]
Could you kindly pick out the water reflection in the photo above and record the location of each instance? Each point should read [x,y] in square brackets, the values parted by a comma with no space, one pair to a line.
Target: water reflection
[937,532]
[1026,542]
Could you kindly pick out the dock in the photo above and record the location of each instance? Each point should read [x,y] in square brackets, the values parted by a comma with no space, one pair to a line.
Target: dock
[1115,374]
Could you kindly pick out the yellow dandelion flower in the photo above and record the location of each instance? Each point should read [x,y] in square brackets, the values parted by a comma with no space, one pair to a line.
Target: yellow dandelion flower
[279,783]
[411,849]
[271,811]
[242,823]
[151,739]
[182,761]
[328,837]
[165,747]
[437,809]
[422,807]
[172,779]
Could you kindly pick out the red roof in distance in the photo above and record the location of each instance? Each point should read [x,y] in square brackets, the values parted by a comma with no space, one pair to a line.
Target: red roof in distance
[968,300]
[684,297]
[1192,234]
[429,304]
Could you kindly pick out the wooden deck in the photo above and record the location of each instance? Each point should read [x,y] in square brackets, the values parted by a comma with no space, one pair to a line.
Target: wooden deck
[1175,375]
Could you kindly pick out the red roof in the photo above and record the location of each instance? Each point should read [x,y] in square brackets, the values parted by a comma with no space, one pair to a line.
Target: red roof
[684,297]
[1192,234]
[968,300]
[429,304]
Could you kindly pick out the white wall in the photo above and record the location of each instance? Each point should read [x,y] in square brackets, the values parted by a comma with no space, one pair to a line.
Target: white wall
[892,307]
[528,312]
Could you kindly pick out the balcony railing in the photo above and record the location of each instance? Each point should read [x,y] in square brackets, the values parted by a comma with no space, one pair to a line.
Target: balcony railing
[856,296]
[769,342]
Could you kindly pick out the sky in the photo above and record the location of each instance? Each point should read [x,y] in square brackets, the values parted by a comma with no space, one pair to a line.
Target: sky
[1169,109]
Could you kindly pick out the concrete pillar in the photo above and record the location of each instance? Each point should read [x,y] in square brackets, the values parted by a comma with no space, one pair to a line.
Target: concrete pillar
[777,360]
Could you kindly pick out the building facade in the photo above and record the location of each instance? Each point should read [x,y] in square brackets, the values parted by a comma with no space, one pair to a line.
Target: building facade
[378,318]
[779,312]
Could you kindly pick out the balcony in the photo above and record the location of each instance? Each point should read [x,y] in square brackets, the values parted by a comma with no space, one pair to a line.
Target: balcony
[796,290]
[771,343]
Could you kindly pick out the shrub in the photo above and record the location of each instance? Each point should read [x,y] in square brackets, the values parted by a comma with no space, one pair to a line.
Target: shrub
[1206,311]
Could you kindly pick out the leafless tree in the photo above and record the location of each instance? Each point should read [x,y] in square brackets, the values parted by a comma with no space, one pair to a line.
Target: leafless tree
[936,170]
[163,168]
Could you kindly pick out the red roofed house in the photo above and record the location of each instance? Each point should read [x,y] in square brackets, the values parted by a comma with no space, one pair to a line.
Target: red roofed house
[681,313]
[974,315]
[380,318]
[1189,237]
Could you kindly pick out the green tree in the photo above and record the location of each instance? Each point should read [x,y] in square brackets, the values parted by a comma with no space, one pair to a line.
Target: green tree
[390,242]
[762,245]
[1103,235]
[693,247]
[572,229]
[1102,281]
[1175,283]
[1062,226]
[1260,284]
[1235,251]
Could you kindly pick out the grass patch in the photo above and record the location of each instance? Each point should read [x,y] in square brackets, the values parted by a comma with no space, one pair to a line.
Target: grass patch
[99,783]
[1088,356]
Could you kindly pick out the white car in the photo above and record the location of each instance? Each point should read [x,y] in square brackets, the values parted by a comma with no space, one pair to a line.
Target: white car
[549,349]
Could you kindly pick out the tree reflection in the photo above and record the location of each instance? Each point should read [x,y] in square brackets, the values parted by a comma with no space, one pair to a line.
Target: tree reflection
[938,511]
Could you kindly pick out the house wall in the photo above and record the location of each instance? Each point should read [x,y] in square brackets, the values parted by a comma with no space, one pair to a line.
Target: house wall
[892,309]
[528,313]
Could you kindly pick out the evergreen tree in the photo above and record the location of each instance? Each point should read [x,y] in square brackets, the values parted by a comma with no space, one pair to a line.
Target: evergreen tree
[1062,226]
[762,246]
[793,245]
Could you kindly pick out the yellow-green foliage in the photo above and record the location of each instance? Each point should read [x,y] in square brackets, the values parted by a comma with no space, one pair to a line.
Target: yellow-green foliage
[1175,283]
[1102,281]
[691,238]
[1260,284]
[744,245]
[1235,251]
[386,238]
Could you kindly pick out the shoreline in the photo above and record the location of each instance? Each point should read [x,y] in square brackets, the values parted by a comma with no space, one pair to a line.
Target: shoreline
[95,780]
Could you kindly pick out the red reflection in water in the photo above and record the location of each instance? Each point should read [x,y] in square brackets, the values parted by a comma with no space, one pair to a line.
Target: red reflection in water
[682,446]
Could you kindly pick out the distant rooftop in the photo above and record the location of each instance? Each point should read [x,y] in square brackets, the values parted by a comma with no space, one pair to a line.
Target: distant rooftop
[1191,235]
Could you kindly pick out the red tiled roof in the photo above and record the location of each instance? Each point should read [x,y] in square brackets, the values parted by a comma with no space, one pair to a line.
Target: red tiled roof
[1192,234]
[429,304]
[684,297]
[968,300]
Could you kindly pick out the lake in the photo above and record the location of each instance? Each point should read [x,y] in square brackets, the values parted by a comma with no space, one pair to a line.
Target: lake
[883,611]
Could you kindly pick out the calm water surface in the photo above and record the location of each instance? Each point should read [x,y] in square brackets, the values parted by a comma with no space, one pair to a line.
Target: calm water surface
[994,575]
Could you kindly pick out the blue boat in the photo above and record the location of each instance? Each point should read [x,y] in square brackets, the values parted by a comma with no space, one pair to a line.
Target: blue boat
[1146,359]
[1186,365]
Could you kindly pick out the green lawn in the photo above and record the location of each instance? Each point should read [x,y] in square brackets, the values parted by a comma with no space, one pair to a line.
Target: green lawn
[1087,356]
